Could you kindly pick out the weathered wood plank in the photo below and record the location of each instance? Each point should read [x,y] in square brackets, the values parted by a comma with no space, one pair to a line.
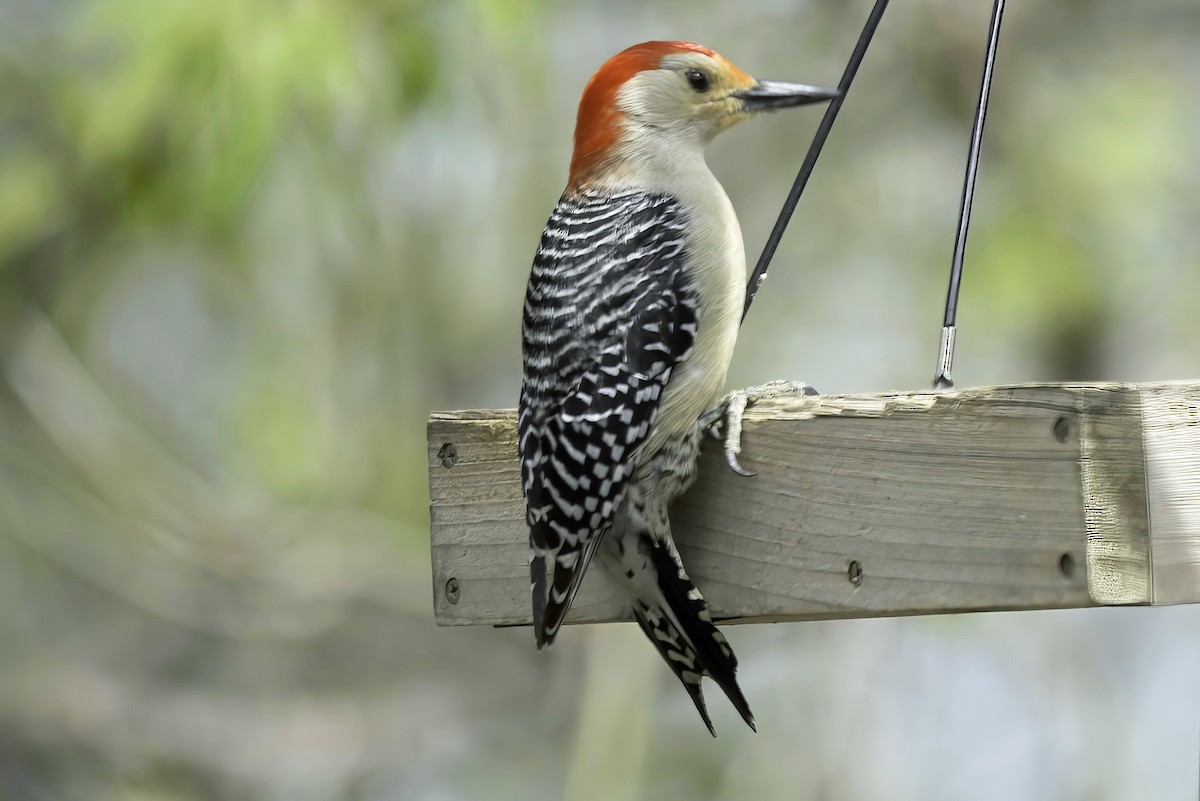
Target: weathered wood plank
[1020,497]
[1114,492]
[1171,416]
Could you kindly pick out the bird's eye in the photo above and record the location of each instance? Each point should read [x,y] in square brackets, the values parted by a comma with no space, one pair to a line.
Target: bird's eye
[697,80]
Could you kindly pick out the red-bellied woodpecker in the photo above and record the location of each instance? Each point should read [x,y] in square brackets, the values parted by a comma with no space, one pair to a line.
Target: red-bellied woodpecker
[631,314]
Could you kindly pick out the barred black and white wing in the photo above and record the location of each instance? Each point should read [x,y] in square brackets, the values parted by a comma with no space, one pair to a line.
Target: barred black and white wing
[609,313]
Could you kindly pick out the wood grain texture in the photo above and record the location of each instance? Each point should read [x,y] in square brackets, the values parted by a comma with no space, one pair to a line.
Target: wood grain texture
[1018,497]
[1114,493]
[1171,419]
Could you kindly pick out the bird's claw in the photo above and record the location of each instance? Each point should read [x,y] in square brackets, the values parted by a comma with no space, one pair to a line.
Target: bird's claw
[732,460]
[729,412]
[735,407]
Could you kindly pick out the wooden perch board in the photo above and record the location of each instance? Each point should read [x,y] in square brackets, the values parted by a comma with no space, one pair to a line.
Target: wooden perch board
[1018,497]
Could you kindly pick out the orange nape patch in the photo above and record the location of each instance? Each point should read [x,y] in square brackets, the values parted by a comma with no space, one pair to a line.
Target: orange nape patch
[598,124]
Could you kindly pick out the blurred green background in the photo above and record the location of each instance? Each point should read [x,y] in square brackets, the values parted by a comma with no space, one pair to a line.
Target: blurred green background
[247,245]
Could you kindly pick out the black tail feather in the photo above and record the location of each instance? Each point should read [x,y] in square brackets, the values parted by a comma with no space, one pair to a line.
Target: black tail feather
[691,683]
[684,633]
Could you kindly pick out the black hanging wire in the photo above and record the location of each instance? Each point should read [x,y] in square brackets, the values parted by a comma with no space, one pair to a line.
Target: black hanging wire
[942,379]
[814,150]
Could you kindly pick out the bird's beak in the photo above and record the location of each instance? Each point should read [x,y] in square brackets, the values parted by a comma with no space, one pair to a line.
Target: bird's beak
[768,95]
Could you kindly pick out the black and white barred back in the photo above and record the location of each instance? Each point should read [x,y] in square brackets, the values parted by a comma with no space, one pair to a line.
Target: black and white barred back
[609,313]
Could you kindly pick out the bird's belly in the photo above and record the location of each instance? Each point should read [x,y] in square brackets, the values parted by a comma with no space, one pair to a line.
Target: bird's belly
[696,385]
[716,266]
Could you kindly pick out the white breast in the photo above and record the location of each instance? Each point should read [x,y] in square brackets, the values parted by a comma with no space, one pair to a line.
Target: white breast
[716,262]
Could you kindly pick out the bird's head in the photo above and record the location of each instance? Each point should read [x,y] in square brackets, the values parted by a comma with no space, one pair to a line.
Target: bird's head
[663,95]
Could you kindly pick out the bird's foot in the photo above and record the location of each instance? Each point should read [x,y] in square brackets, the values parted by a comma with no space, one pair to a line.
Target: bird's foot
[729,412]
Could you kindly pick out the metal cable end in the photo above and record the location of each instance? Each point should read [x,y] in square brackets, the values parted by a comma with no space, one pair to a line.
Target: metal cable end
[942,379]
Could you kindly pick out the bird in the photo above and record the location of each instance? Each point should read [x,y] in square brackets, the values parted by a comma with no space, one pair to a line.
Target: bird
[631,312]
